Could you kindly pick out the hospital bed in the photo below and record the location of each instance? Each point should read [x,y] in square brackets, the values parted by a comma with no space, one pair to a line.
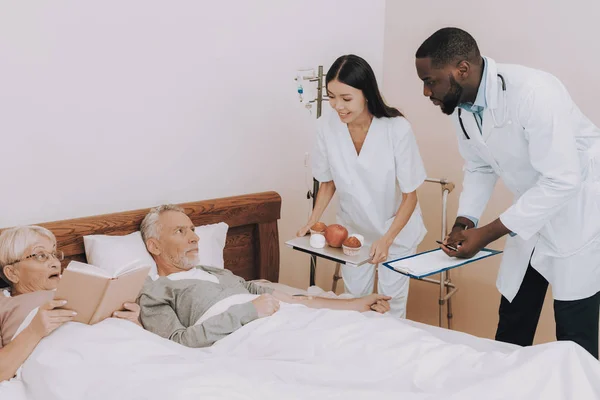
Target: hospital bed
[296,353]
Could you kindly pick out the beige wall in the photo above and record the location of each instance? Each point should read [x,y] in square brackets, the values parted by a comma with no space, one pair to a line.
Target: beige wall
[557,36]
[115,105]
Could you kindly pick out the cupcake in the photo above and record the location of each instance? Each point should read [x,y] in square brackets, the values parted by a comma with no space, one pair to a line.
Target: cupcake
[319,227]
[359,237]
[351,246]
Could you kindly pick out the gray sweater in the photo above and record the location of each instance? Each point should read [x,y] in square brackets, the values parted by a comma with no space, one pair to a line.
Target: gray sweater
[171,308]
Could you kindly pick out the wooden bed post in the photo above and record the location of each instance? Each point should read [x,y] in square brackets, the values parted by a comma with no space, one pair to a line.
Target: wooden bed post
[268,251]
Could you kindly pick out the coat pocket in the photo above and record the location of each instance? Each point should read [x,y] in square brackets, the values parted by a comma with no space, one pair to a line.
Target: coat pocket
[578,223]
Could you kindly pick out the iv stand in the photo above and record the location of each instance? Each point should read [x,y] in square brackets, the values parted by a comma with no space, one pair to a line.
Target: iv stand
[313,194]
[444,282]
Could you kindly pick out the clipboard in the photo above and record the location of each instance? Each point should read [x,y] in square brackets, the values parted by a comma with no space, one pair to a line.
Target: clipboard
[433,262]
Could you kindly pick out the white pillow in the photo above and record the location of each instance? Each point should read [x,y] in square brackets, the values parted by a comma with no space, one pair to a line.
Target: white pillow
[111,252]
[211,244]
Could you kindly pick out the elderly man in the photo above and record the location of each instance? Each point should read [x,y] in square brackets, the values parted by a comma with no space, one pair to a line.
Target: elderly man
[196,305]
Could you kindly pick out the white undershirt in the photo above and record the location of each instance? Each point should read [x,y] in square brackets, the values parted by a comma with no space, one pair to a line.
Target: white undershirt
[194,273]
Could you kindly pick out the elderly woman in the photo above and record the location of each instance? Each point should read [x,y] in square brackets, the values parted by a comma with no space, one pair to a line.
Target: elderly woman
[30,264]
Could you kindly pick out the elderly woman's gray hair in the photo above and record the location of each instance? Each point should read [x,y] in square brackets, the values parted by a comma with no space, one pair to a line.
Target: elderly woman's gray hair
[150,227]
[14,242]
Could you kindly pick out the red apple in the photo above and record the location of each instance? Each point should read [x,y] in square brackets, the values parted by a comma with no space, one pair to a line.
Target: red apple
[335,235]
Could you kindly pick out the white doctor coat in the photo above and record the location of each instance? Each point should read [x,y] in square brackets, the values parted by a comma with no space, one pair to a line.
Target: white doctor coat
[548,155]
[370,185]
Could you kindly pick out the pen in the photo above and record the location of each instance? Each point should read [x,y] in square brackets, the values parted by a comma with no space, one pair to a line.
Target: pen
[448,246]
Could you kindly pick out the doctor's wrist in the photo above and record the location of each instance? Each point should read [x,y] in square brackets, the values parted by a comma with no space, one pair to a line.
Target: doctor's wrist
[463,223]
[495,230]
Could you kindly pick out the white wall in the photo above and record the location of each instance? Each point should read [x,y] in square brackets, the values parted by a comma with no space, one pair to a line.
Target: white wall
[558,36]
[114,105]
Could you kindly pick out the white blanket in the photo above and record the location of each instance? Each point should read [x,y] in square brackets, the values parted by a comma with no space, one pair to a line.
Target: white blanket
[223,305]
[301,353]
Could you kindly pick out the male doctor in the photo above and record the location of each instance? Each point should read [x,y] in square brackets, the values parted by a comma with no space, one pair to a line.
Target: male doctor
[520,124]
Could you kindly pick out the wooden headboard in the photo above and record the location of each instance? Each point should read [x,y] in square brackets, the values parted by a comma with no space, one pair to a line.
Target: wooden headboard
[251,250]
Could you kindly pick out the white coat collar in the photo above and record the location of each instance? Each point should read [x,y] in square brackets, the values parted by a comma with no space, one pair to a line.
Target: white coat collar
[492,84]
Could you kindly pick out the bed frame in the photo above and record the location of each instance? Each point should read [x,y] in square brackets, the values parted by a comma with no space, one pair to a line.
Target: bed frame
[252,246]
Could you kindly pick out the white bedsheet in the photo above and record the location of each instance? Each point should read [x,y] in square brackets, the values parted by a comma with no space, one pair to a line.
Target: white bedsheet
[12,390]
[301,353]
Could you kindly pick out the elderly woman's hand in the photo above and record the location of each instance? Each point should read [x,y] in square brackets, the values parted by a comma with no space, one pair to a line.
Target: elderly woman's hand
[131,313]
[49,317]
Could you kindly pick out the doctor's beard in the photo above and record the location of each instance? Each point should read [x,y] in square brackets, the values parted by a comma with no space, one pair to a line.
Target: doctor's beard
[452,98]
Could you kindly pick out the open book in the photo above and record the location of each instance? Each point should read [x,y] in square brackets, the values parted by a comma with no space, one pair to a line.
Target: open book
[95,293]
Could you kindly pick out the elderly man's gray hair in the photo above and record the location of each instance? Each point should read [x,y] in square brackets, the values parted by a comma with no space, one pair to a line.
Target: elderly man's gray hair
[149,227]
[14,242]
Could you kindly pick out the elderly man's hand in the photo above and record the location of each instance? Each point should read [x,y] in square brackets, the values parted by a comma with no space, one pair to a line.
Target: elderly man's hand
[49,317]
[266,305]
[131,313]
[374,302]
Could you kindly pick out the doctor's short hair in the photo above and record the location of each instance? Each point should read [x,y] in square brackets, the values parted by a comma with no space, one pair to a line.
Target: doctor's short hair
[149,227]
[354,71]
[449,45]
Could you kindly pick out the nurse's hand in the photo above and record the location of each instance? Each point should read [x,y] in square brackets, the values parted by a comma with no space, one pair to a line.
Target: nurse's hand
[304,230]
[379,250]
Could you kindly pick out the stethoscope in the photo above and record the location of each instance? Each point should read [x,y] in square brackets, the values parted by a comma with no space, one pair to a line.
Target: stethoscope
[496,124]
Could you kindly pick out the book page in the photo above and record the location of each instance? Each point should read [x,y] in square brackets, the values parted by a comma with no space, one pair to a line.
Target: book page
[432,262]
[132,266]
[88,269]
[123,289]
[83,293]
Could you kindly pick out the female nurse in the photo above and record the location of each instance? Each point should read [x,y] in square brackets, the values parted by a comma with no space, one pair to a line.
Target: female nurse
[366,152]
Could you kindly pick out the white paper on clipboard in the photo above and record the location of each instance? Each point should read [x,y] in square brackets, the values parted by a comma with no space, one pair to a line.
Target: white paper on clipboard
[433,262]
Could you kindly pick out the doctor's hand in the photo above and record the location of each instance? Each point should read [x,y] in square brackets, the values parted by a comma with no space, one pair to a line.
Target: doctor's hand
[469,242]
[379,250]
[131,313]
[465,241]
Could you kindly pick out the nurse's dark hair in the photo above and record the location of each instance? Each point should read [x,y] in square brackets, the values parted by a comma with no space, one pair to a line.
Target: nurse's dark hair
[354,71]
[449,45]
